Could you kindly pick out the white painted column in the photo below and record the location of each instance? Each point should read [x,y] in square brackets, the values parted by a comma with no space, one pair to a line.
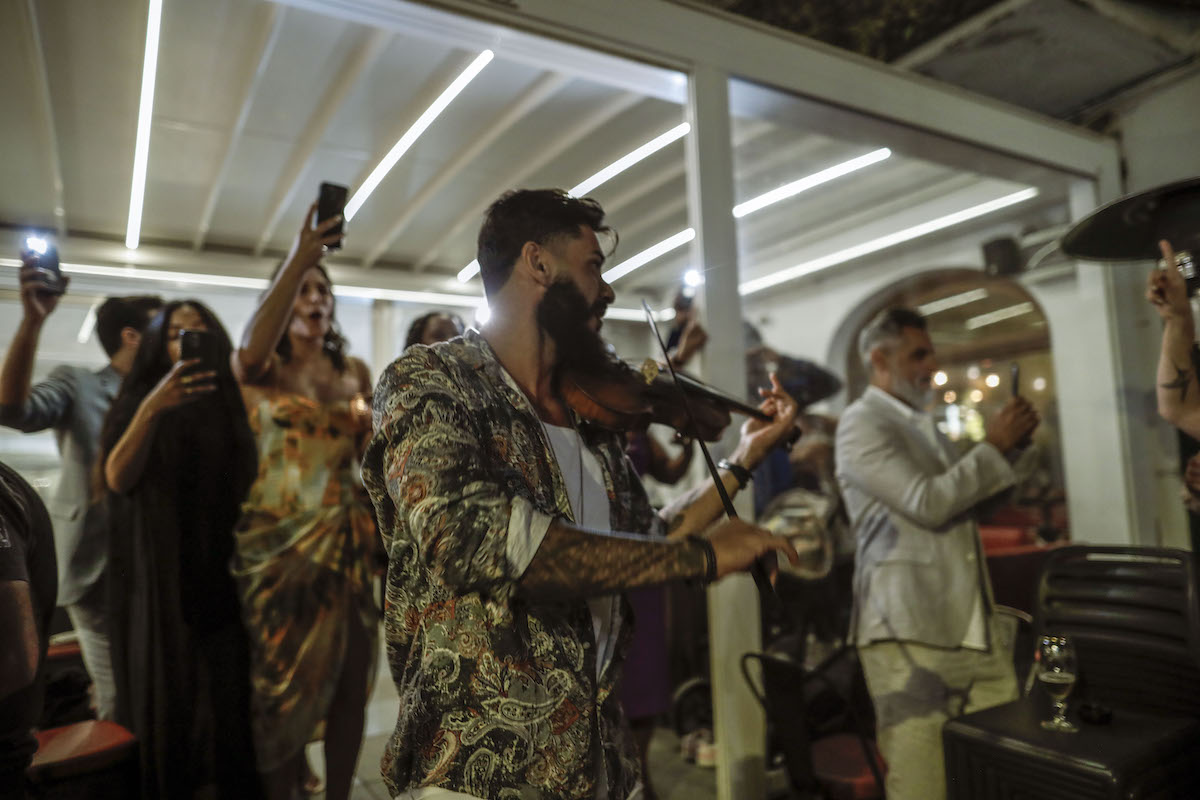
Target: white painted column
[1105,344]
[734,626]
[384,347]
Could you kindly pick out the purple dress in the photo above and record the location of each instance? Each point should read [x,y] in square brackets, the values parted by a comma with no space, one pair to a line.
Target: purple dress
[646,685]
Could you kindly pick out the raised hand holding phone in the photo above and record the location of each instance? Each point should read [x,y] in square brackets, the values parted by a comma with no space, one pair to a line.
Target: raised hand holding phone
[42,281]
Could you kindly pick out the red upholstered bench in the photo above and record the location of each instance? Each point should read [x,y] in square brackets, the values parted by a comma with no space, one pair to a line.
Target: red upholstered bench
[1004,537]
[63,652]
[94,758]
[841,766]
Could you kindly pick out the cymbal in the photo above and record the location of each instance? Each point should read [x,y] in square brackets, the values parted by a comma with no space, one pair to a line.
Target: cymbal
[1129,229]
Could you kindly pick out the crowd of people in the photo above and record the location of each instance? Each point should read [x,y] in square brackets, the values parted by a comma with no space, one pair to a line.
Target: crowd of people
[217,551]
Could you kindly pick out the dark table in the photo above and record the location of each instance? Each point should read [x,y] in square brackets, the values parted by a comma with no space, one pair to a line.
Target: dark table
[1003,753]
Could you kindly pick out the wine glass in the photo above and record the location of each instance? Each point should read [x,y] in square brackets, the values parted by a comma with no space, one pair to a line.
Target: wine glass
[1057,677]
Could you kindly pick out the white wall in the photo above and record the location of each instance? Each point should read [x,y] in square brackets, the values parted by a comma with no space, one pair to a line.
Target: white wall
[1160,133]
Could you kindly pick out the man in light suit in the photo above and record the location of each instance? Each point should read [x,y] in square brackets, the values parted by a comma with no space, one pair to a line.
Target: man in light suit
[73,401]
[923,611]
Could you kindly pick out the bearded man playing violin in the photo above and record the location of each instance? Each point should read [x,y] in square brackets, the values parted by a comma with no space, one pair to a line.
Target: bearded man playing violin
[512,530]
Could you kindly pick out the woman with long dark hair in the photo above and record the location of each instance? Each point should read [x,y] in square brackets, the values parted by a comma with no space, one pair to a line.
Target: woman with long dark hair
[306,544]
[177,457]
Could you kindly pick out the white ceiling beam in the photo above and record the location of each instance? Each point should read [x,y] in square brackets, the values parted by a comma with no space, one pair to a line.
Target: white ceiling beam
[540,91]
[1147,23]
[360,60]
[972,25]
[267,28]
[44,114]
[510,45]
[561,142]
[798,68]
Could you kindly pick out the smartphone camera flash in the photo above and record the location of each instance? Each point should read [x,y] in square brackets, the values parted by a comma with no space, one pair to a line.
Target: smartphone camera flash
[36,244]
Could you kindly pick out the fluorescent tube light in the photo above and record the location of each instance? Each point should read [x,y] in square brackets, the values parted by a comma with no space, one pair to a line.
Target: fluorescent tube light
[649,254]
[341,290]
[88,325]
[625,162]
[884,242]
[413,133]
[469,271]
[999,315]
[803,184]
[141,149]
[953,301]
[608,173]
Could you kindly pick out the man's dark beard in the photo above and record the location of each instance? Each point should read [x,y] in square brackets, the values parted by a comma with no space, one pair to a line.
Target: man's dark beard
[564,314]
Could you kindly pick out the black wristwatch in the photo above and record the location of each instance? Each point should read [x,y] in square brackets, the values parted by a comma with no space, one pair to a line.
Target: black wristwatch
[742,474]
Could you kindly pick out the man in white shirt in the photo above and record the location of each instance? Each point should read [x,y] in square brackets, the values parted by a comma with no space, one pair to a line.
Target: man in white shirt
[923,609]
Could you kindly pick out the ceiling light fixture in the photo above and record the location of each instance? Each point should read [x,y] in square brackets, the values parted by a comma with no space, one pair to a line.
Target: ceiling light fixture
[413,133]
[625,162]
[884,242]
[341,290]
[953,301]
[816,179]
[88,325]
[608,173]
[649,254]
[141,148]
[999,315]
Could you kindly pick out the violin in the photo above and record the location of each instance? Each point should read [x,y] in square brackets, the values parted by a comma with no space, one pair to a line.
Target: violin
[624,397]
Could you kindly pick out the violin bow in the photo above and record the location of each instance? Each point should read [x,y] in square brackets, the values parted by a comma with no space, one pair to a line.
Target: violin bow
[758,571]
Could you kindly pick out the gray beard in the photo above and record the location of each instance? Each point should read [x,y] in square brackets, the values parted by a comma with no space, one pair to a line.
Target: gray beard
[913,394]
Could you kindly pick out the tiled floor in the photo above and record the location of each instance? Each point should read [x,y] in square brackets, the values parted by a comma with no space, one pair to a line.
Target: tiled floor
[674,778]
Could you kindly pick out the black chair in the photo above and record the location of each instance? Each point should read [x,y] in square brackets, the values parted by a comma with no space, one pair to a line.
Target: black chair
[1134,616]
[816,725]
[1135,622]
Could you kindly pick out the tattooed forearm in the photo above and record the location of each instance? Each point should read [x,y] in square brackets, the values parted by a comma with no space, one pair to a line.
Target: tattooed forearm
[574,563]
[1183,378]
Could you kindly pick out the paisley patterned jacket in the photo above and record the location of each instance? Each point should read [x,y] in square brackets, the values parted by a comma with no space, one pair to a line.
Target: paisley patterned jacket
[499,697]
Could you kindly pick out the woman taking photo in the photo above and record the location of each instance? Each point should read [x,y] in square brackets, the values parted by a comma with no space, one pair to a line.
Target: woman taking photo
[306,541]
[177,457]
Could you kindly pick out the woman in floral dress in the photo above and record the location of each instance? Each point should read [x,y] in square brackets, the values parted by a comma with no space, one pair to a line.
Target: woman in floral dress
[306,543]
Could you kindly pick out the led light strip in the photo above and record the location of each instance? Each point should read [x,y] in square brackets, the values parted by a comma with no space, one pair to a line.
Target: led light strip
[141,150]
[884,242]
[419,127]
[953,301]
[608,173]
[341,290]
[742,209]
[999,315]
[625,162]
[88,325]
[649,254]
[811,181]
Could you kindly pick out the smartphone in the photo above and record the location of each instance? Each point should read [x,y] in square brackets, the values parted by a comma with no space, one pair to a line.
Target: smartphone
[1015,370]
[201,345]
[50,273]
[331,201]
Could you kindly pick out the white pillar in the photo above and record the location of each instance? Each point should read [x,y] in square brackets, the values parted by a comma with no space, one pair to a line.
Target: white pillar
[1105,346]
[384,347]
[734,627]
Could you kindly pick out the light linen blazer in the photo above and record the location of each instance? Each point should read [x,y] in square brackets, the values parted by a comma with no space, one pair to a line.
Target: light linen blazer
[919,563]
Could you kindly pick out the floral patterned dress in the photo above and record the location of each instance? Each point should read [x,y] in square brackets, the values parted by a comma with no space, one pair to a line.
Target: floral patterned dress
[305,548]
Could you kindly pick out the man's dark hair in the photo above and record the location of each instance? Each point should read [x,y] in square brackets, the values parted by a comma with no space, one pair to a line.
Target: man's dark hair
[885,329]
[117,313]
[530,215]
